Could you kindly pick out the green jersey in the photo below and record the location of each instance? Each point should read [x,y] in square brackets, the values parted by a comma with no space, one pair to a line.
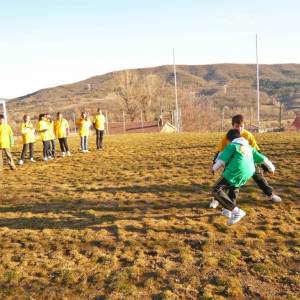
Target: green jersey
[240,159]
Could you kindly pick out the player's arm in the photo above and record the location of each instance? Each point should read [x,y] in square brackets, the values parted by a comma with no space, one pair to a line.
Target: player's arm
[261,159]
[220,148]
[223,158]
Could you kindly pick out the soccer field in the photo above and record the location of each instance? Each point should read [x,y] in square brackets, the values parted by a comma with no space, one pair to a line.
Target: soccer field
[132,222]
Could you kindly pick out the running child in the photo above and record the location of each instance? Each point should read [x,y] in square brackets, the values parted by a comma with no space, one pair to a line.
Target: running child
[238,160]
[239,123]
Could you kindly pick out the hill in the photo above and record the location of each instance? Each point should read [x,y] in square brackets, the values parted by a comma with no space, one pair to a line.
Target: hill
[131,222]
[232,85]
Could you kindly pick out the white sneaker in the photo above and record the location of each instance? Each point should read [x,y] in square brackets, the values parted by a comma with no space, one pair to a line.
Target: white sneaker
[50,157]
[63,154]
[275,198]
[45,158]
[227,213]
[236,215]
[21,162]
[68,153]
[213,203]
[32,160]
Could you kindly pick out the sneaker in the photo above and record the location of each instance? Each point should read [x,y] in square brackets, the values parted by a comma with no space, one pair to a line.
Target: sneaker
[63,154]
[275,198]
[236,215]
[32,160]
[45,158]
[21,162]
[225,212]
[50,157]
[213,203]
[68,153]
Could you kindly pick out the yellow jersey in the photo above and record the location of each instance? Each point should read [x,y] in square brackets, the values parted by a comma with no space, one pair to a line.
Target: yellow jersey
[245,134]
[60,128]
[99,122]
[6,136]
[84,127]
[45,135]
[27,131]
[51,129]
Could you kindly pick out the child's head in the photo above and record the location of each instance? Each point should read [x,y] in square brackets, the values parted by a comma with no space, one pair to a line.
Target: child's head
[26,118]
[238,122]
[59,116]
[233,134]
[83,115]
[41,117]
[2,119]
[99,111]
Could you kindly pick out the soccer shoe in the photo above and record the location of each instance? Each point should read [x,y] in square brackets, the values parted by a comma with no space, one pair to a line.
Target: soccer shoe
[21,162]
[236,215]
[68,153]
[213,203]
[225,212]
[275,198]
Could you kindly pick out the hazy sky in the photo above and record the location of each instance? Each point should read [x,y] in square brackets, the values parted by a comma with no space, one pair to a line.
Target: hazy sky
[46,43]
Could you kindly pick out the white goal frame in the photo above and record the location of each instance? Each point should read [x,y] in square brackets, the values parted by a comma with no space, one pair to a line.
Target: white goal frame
[3,104]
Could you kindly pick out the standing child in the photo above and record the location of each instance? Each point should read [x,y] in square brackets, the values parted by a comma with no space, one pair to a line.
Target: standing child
[99,124]
[61,129]
[27,131]
[6,142]
[50,124]
[239,160]
[84,131]
[43,129]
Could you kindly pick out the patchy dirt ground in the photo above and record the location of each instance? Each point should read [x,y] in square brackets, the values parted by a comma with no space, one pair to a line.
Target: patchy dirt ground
[131,222]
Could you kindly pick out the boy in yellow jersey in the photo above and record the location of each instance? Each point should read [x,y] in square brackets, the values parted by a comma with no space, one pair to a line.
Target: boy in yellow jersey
[99,124]
[43,129]
[6,142]
[61,129]
[50,123]
[84,131]
[239,123]
[27,131]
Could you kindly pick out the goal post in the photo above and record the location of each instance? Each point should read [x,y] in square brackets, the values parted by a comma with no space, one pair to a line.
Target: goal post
[3,109]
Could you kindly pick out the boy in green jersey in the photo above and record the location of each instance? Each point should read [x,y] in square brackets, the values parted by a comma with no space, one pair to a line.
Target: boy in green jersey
[239,159]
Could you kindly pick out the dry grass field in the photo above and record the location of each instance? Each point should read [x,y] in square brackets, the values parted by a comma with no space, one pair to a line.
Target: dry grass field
[131,222]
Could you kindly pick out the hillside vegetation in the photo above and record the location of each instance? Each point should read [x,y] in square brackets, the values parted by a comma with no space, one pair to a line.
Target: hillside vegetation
[206,86]
[131,222]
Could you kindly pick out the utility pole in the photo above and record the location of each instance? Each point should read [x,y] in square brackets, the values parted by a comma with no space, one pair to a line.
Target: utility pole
[142,121]
[257,86]
[124,124]
[176,95]
[106,119]
[74,122]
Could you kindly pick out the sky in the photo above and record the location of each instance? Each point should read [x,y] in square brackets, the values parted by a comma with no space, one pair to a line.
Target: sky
[48,43]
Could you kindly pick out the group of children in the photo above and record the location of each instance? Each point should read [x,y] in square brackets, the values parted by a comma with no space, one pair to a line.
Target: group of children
[238,153]
[240,156]
[49,130]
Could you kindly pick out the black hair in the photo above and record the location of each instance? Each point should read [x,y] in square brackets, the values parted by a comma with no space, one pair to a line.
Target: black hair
[233,134]
[2,116]
[41,116]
